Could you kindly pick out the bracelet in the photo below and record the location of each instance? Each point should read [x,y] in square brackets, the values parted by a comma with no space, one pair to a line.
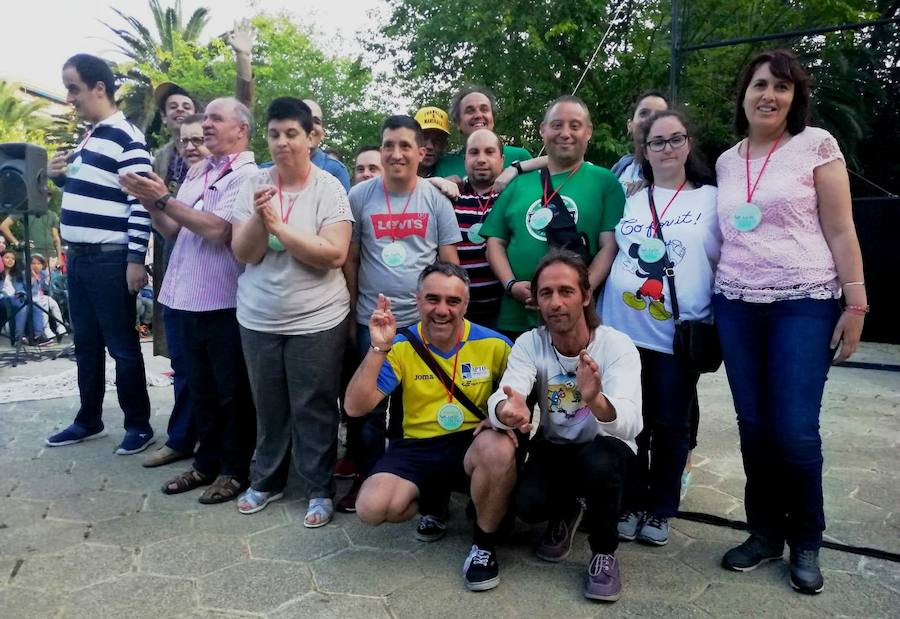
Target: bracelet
[381,350]
[509,284]
[853,284]
[859,310]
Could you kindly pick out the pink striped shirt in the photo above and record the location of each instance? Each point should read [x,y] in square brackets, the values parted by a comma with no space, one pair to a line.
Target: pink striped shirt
[201,275]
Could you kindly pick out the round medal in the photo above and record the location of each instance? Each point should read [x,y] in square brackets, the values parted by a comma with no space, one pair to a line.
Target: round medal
[275,244]
[474,233]
[450,417]
[72,168]
[651,250]
[393,254]
[198,205]
[541,218]
[746,217]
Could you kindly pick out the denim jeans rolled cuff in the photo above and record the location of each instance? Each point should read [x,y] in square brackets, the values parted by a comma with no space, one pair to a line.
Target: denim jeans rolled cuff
[669,399]
[181,430]
[295,381]
[777,356]
[103,316]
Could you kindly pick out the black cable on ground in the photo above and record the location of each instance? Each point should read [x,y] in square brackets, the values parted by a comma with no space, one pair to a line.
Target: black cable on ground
[719,521]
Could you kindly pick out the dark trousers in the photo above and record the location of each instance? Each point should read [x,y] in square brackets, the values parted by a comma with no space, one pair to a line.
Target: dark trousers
[103,316]
[220,392]
[296,382]
[555,475]
[181,430]
[669,396]
[777,357]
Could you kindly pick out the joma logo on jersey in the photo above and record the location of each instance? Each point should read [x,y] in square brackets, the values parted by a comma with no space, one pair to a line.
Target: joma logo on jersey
[399,226]
[424,377]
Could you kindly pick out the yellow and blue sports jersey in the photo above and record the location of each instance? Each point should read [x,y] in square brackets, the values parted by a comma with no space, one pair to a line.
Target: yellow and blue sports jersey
[482,360]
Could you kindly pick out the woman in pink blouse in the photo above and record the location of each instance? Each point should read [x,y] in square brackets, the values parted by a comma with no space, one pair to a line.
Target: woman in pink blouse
[790,253]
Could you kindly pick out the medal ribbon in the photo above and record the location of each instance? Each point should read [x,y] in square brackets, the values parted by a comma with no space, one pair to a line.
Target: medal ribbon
[558,189]
[654,226]
[285,217]
[387,201]
[452,386]
[225,170]
[483,207]
[750,192]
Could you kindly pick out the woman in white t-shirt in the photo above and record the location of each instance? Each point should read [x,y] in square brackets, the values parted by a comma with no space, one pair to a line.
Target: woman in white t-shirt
[637,301]
[292,226]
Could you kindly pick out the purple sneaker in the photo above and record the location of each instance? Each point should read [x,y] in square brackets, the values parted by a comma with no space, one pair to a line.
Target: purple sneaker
[556,542]
[602,581]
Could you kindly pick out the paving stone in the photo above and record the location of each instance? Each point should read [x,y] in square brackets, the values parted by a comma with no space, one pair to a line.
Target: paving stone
[183,503]
[141,529]
[362,571]
[254,586]
[21,512]
[702,531]
[878,535]
[648,576]
[737,600]
[193,555]
[333,606]
[388,536]
[856,596]
[29,603]
[225,519]
[80,566]
[650,609]
[709,501]
[7,565]
[294,542]
[96,505]
[850,510]
[40,538]
[133,595]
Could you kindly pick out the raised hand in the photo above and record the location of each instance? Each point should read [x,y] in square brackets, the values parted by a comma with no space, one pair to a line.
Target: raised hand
[514,411]
[241,37]
[587,377]
[263,196]
[382,325]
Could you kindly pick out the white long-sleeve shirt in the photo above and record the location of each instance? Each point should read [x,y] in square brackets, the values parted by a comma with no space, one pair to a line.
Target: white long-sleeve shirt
[564,416]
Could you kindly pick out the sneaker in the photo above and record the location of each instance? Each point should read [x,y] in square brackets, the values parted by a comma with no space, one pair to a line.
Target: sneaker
[347,503]
[556,542]
[431,529]
[345,469]
[135,442]
[165,455]
[602,581]
[73,434]
[629,523]
[749,555]
[654,530]
[480,570]
[806,577]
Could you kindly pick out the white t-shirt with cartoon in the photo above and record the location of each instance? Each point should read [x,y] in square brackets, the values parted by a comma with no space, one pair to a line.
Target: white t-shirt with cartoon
[636,298]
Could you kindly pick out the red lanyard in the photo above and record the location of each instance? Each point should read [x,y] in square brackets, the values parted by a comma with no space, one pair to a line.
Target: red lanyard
[558,189]
[483,208]
[86,138]
[284,218]
[455,361]
[750,192]
[387,201]
[225,170]
[654,226]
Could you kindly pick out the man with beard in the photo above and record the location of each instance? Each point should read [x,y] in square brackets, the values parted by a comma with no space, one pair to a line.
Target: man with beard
[436,131]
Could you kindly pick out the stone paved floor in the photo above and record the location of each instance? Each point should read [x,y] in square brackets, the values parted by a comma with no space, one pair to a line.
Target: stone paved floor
[86,533]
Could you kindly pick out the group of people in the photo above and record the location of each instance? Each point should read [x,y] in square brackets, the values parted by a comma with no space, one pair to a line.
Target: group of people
[447,298]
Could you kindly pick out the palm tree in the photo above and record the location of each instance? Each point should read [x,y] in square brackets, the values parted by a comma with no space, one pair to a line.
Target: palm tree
[24,121]
[138,44]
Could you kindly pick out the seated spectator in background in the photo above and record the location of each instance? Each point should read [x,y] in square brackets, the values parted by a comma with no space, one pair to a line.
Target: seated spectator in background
[368,164]
[43,234]
[588,381]
[12,298]
[436,131]
[40,285]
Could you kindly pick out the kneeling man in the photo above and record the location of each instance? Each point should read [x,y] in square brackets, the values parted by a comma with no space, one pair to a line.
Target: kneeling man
[448,367]
[588,380]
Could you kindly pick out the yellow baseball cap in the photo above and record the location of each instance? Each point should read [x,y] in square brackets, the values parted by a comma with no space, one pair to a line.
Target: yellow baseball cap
[433,118]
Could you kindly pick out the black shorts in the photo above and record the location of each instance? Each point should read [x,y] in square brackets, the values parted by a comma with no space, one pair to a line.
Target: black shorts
[433,464]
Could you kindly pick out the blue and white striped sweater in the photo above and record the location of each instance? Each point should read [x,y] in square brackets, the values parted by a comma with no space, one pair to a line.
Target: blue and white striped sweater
[94,207]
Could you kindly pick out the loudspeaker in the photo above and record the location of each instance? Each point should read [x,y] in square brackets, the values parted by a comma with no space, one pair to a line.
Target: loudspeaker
[23,179]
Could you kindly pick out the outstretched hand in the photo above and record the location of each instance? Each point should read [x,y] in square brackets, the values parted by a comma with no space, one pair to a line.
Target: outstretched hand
[382,324]
[241,37]
[587,377]
[506,177]
[514,411]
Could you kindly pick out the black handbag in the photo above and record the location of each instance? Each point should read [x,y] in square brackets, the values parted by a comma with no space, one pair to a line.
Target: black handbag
[696,343]
[561,231]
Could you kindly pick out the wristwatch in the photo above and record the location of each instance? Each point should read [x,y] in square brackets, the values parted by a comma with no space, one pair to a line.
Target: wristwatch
[160,203]
[518,166]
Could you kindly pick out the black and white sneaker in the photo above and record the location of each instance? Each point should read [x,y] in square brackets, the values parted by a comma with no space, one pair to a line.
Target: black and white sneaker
[481,571]
[430,529]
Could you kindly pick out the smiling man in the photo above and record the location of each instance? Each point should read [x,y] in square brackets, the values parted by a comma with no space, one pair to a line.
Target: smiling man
[401,225]
[447,367]
[436,131]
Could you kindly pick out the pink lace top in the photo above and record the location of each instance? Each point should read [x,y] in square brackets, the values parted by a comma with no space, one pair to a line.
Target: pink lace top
[785,257]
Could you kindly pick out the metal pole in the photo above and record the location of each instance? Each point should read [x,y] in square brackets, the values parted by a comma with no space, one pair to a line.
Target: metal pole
[675,54]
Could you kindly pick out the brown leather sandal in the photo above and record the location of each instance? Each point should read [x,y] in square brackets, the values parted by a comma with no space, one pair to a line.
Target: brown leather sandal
[186,481]
[225,488]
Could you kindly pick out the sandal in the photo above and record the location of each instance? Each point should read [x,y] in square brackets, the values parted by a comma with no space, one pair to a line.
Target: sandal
[319,513]
[253,501]
[186,481]
[224,489]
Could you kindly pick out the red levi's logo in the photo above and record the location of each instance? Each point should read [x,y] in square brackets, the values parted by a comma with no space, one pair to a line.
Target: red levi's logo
[399,226]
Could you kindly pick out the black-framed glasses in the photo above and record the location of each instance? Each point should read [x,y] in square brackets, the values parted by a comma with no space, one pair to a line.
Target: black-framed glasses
[196,141]
[658,145]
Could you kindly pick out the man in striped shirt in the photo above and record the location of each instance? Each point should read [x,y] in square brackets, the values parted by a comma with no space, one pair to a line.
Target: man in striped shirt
[201,288]
[107,233]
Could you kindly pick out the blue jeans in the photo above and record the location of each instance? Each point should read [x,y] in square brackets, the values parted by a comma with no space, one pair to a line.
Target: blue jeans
[103,314]
[777,357]
[181,430]
[14,305]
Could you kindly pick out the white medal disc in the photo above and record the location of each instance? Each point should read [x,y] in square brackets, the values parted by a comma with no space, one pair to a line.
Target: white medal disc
[474,234]
[746,217]
[450,417]
[651,250]
[541,218]
[72,168]
[275,244]
[394,254]
[198,205]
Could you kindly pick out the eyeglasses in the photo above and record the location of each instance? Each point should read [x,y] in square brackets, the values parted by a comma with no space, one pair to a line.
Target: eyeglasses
[658,145]
[196,141]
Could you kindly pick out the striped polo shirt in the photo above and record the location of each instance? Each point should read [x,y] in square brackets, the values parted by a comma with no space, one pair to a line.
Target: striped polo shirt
[94,207]
[485,291]
[202,276]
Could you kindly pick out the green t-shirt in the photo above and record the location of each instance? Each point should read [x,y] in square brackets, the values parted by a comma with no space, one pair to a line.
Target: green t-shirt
[454,164]
[593,196]
[40,232]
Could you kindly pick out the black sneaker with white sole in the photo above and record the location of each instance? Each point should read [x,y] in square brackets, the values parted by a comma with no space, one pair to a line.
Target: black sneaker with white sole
[430,528]
[481,571]
[749,555]
[806,577]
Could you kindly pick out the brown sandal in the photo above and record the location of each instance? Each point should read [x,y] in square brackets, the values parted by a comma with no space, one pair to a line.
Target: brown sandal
[225,488]
[186,481]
